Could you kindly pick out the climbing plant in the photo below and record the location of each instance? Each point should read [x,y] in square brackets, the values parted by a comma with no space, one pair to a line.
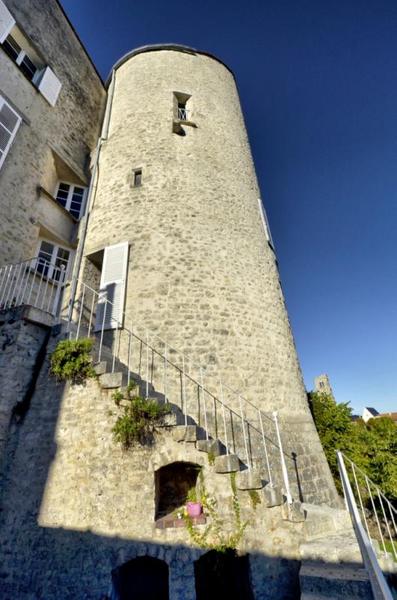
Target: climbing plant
[72,361]
[215,535]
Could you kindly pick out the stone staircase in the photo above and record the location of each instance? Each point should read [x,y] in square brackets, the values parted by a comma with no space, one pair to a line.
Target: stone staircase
[192,433]
[331,563]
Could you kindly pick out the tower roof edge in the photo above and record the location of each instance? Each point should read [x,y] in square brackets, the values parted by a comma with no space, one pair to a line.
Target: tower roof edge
[155,47]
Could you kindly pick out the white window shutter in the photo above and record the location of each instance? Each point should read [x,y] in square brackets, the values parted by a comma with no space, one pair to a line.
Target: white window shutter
[49,86]
[9,123]
[112,287]
[7,21]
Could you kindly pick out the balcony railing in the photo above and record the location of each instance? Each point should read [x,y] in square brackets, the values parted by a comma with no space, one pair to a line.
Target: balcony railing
[35,282]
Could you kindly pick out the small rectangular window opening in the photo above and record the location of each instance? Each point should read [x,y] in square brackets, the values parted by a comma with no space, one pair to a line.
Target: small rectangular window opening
[181,100]
[137,177]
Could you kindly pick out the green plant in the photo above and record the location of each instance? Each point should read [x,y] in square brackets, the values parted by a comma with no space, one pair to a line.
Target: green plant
[255,498]
[214,536]
[71,360]
[191,496]
[117,396]
[211,458]
[139,418]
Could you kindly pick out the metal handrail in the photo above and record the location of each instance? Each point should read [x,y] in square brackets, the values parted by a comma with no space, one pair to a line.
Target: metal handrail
[378,581]
[35,281]
[228,413]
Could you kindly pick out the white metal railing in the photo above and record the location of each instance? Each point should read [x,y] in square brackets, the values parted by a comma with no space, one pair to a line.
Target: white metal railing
[374,519]
[36,282]
[223,413]
[183,114]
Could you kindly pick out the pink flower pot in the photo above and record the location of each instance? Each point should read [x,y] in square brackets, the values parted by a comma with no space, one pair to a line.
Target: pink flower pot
[194,509]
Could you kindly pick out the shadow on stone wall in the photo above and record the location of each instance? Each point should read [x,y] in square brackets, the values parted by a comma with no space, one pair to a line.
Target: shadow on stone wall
[43,563]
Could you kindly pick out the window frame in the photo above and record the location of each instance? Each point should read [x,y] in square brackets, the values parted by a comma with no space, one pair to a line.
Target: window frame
[13,133]
[68,203]
[20,58]
[54,255]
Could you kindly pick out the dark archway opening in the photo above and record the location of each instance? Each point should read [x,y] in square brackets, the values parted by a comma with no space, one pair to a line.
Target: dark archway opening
[143,578]
[222,575]
[173,483]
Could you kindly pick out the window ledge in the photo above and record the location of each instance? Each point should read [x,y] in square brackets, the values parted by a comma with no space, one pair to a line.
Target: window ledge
[43,191]
[170,521]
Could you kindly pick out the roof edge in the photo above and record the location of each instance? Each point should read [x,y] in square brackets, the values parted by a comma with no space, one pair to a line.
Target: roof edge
[155,47]
[80,42]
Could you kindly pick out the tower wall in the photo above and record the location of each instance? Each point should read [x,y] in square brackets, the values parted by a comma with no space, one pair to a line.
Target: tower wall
[200,271]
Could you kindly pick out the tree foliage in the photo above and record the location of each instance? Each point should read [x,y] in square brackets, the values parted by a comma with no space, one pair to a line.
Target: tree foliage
[372,445]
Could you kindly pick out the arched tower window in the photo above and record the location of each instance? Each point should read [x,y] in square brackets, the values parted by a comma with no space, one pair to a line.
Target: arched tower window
[173,483]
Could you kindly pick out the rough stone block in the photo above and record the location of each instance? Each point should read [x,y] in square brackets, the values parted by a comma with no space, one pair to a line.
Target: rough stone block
[185,433]
[100,367]
[111,380]
[227,463]
[209,446]
[273,496]
[294,512]
[249,480]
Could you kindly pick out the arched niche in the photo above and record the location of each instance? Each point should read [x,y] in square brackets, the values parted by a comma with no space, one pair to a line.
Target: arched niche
[142,578]
[172,483]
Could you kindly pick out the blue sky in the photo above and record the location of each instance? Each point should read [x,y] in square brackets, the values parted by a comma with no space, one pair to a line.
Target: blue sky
[318,86]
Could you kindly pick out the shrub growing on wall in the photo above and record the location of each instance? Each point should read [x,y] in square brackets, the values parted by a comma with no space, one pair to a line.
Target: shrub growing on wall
[71,360]
[139,418]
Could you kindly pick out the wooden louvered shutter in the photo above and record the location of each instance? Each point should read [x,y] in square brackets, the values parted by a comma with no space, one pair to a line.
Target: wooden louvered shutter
[49,86]
[112,287]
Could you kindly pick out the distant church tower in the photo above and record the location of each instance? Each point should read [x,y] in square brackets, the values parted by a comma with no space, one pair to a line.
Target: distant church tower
[322,385]
[177,230]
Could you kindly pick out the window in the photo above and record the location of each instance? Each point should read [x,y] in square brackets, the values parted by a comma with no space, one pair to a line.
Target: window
[24,54]
[14,51]
[137,177]
[180,100]
[71,197]
[9,123]
[52,260]
[182,111]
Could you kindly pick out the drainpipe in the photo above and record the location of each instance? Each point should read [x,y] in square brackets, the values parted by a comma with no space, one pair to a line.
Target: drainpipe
[91,196]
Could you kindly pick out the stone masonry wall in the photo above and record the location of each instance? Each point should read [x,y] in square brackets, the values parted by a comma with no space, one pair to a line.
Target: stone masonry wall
[21,341]
[71,128]
[75,506]
[201,273]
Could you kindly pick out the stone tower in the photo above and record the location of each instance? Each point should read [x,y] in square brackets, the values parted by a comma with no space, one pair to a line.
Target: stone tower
[177,199]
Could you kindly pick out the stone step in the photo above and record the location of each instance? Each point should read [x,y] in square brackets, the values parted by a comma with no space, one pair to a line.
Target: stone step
[324,520]
[110,381]
[101,367]
[341,547]
[249,480]
[227,463]
[323,580]
[273,496]
[185,433]
[294,512]
[210,446]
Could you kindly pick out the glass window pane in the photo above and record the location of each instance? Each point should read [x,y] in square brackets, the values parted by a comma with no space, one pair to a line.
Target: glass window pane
[5,136]
[28,68]
[8,118]
[11,47]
